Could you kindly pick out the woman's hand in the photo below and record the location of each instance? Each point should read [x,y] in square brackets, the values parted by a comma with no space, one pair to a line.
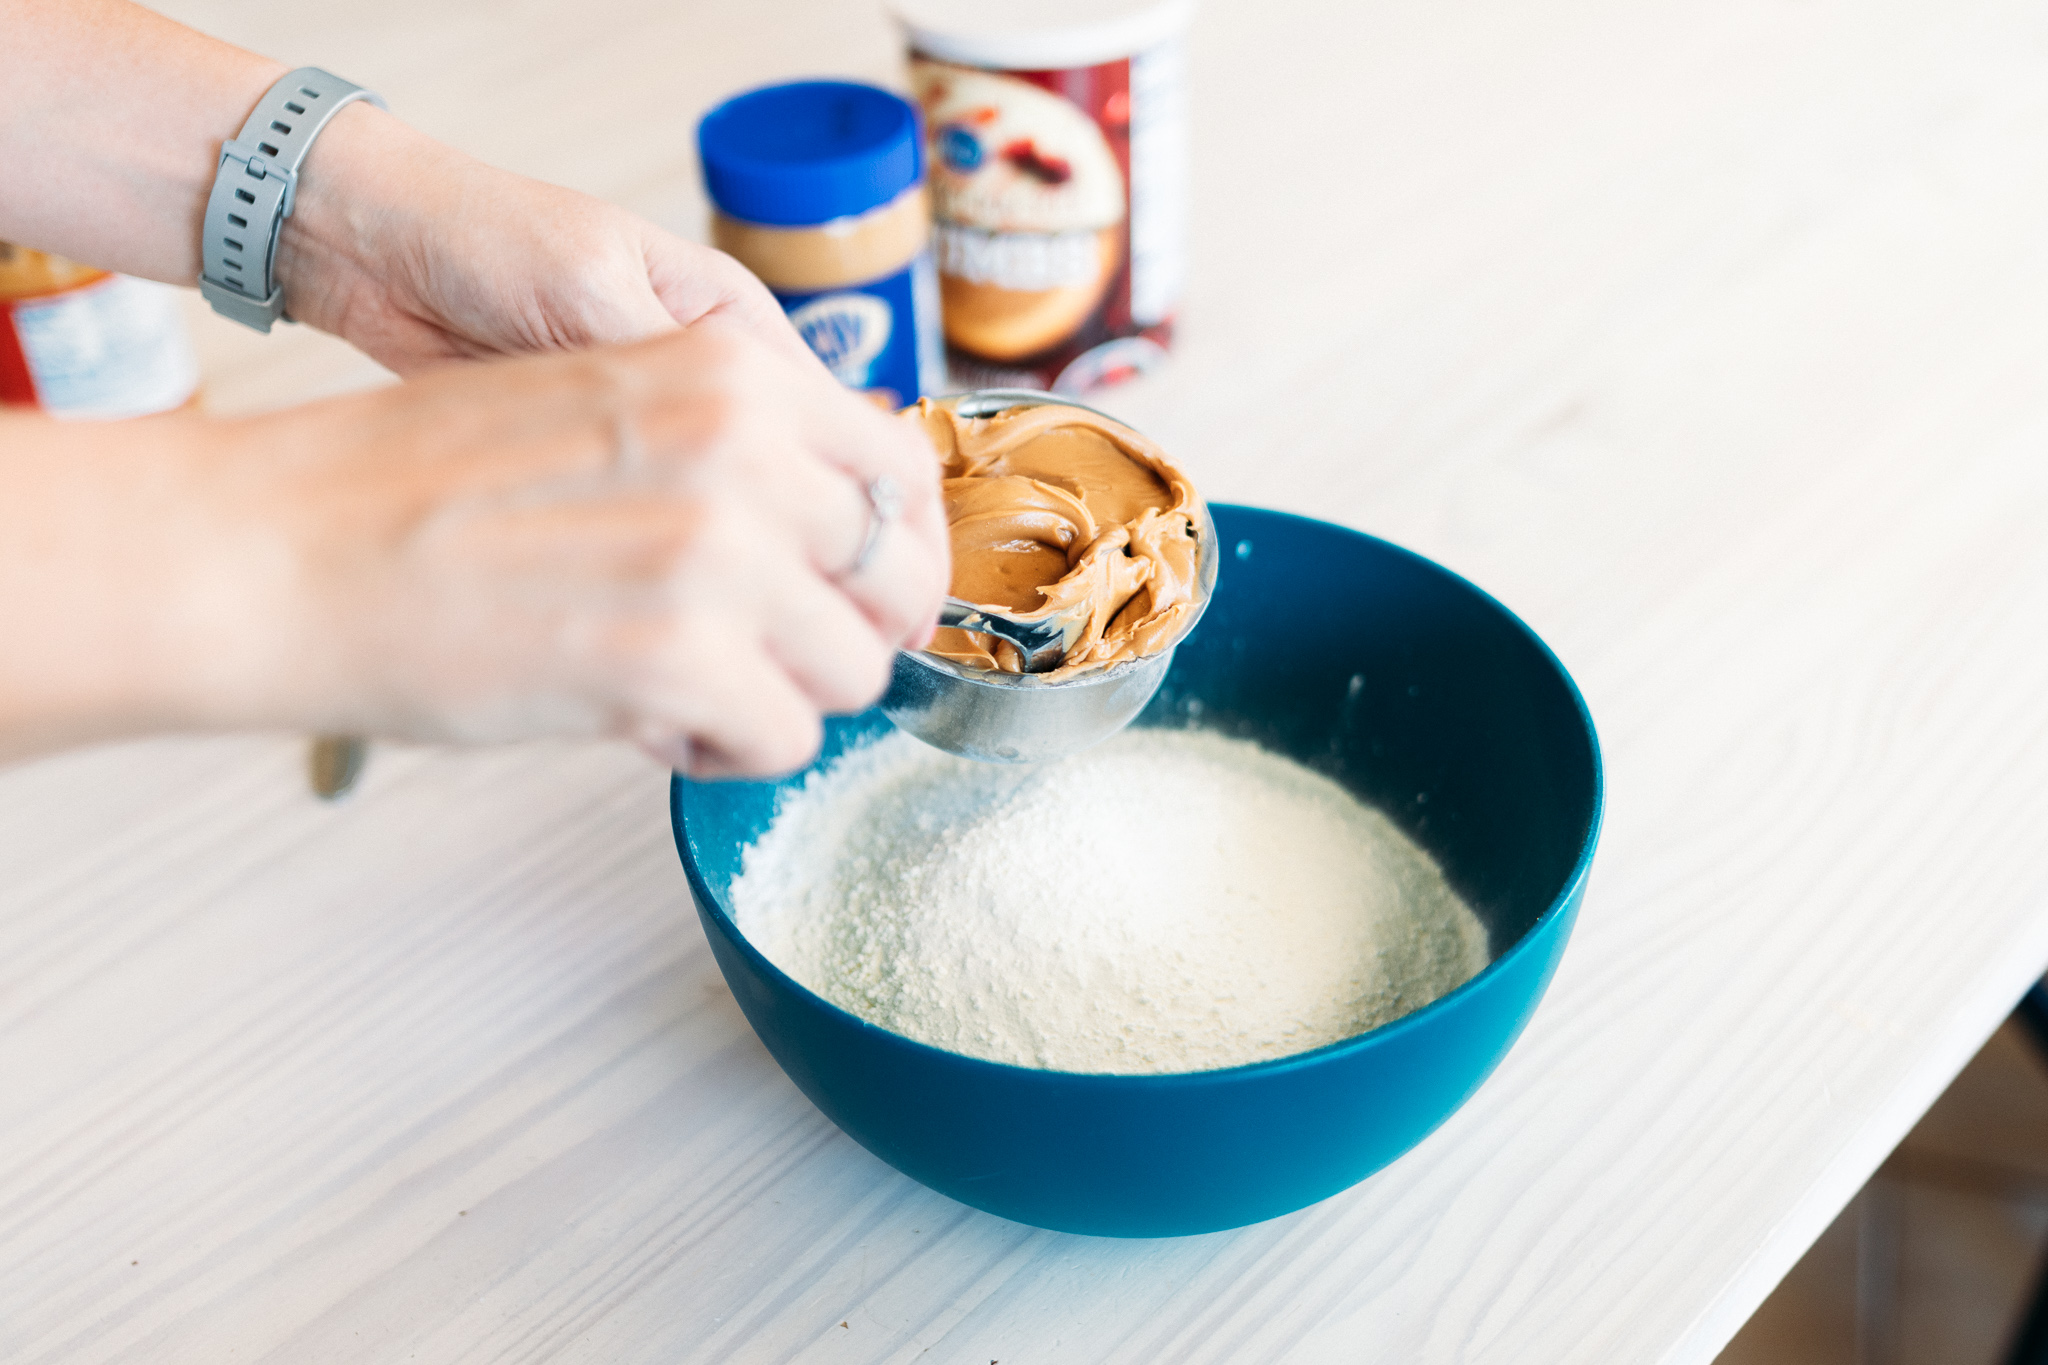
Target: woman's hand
[111,124]
[418,254]
[652,541]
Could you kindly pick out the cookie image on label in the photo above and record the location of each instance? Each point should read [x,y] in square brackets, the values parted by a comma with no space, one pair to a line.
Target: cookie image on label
[1031,207]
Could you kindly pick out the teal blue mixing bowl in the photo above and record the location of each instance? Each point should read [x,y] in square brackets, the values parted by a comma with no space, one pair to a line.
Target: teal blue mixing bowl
[1398,678]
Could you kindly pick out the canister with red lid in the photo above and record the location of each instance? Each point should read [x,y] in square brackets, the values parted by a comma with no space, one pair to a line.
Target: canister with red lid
[80,342]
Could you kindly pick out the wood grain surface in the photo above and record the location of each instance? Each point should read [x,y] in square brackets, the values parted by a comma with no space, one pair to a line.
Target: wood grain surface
[1713,339]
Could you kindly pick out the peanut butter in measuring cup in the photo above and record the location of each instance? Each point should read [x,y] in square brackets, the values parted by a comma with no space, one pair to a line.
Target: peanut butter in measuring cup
[818,188]
[80,342]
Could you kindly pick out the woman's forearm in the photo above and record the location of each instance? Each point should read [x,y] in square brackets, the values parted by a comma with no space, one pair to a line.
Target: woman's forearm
[111,120]
[111,125]
[127,606]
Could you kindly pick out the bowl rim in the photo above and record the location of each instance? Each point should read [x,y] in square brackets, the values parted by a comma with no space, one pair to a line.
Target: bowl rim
[1573,884]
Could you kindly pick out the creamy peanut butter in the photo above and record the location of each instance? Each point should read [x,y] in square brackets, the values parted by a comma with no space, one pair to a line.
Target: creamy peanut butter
[1054,509]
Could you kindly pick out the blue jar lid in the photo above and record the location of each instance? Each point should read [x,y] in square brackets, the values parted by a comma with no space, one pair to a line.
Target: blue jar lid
[809,152]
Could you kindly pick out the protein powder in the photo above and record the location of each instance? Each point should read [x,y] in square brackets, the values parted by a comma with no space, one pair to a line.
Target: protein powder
[1168,901]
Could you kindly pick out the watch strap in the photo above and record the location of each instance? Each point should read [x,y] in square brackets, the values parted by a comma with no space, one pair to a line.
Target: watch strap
[254,189]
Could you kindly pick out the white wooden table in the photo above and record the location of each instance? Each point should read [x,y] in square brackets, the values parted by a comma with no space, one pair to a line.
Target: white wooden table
[1712,338]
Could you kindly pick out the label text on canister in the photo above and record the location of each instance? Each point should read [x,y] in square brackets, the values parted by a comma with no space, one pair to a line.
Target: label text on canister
[1059,200]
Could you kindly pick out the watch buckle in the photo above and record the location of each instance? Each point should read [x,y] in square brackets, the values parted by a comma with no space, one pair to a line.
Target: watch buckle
[233,304]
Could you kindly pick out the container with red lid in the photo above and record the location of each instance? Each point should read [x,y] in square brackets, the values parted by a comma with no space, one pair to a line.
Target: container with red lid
[1057,134]
[80,342]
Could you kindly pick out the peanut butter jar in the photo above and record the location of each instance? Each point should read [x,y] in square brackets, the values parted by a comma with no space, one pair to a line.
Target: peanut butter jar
[1057,139]
[80,342]
[818,188]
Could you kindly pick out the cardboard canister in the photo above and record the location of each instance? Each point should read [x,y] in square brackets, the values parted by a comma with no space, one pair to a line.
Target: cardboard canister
[1057,151]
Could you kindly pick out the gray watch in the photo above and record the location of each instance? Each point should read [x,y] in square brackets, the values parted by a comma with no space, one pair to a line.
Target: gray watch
[253,192]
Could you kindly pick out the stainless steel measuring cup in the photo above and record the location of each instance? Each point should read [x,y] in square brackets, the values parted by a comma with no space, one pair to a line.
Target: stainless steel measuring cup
[1023,717]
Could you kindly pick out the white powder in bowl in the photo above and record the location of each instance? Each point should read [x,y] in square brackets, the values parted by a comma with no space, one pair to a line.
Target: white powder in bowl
[1166,901]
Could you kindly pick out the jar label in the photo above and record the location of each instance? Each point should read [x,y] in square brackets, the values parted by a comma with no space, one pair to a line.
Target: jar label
[881,337]
[113,348]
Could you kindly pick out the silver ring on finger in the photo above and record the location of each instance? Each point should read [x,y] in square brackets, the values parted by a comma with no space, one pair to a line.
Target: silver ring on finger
[885,501]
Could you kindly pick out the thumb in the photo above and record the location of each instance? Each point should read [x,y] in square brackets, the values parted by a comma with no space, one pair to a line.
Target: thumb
[693,282]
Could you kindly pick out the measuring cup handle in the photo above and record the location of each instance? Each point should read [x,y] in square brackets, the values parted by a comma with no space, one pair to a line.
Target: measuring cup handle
[1043,646]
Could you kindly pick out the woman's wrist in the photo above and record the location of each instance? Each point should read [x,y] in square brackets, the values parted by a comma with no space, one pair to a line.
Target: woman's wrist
[366,179]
